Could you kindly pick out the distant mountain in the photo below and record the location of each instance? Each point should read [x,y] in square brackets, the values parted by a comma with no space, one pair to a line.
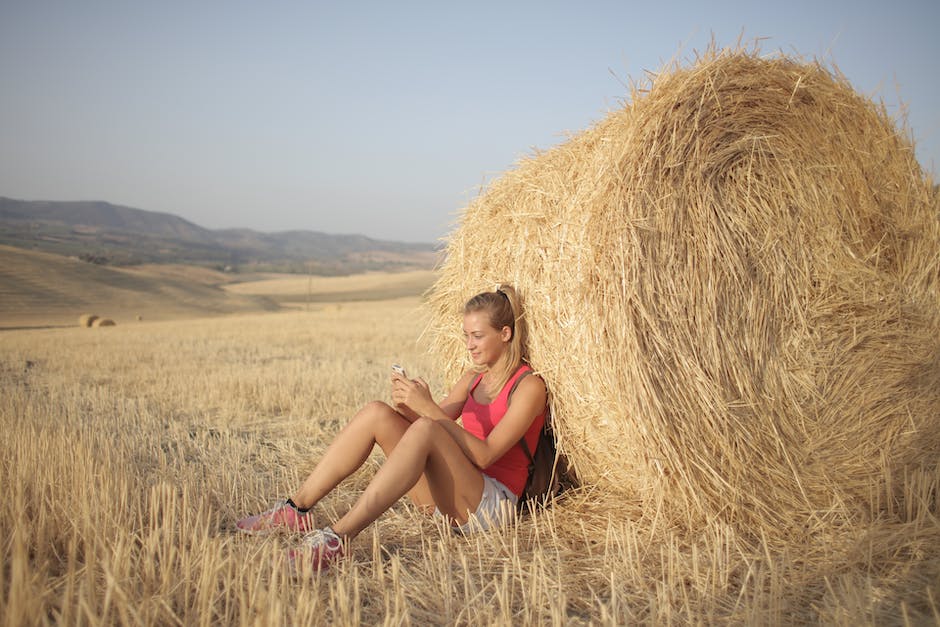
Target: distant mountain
[112,234]
[104,216]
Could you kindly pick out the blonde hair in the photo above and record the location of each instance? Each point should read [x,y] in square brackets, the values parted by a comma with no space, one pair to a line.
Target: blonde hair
[504,309]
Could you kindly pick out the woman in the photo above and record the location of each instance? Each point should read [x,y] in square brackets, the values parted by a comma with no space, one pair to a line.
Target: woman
[472,473]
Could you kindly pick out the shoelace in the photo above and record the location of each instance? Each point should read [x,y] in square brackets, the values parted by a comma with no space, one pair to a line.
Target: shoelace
[325,537]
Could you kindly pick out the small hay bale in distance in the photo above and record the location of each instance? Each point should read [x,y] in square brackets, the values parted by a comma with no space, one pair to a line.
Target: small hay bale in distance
[86,320]
[104,322]
[731,290]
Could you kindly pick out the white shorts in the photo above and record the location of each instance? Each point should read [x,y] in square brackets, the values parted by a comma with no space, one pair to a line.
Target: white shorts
[497,506]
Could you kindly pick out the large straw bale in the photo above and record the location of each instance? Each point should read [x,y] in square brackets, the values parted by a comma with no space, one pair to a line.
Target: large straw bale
[86,320]
[731,288]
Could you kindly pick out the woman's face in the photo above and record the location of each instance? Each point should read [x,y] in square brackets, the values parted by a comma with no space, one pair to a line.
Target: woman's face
[485,344]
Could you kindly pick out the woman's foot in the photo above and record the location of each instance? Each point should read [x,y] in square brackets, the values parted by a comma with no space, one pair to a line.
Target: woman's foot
[282,517]
[320,549]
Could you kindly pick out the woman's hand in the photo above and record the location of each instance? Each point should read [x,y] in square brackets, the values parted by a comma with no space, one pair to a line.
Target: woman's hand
[412,394]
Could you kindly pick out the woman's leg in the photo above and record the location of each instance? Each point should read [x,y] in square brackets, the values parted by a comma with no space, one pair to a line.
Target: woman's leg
[425,452]
[376,423]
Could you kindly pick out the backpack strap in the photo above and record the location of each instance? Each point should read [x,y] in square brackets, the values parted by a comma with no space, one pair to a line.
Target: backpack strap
[528,453]
[515,385]
[522,442]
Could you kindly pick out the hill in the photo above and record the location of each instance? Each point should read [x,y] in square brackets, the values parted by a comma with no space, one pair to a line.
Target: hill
[103,216]
[41,289]
[115,235]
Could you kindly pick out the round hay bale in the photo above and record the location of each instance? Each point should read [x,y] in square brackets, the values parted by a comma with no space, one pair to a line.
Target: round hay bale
[86,320]
[104,322]
[731,290]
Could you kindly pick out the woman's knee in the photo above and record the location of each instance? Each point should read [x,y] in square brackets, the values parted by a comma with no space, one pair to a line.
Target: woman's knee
[379,407]
[384,423]
[375,411]
[423,429]
[423,424]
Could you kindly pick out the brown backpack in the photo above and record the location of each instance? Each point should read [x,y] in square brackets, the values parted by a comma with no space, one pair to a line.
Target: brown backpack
[545,466]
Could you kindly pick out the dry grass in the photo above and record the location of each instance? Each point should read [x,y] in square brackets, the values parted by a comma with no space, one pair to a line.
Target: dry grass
[128,456]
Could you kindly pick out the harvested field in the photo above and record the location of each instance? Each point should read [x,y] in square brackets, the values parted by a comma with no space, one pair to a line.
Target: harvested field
[166,432]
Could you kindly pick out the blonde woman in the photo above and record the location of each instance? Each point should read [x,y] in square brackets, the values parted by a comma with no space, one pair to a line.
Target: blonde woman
[472,472]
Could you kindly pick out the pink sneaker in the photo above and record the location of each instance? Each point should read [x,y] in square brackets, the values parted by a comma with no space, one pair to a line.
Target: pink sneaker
[281,517]
[320,549]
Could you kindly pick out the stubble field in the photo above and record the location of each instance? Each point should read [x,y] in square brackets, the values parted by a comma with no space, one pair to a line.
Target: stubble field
[129,452]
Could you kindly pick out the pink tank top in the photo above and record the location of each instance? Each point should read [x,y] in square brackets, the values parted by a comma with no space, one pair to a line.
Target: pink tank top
[512,469]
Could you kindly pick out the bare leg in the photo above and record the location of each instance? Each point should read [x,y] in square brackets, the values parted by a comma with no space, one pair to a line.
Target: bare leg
[376,423]
[425,450]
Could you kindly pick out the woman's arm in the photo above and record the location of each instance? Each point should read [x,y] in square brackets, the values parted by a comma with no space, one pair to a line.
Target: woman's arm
[528,401]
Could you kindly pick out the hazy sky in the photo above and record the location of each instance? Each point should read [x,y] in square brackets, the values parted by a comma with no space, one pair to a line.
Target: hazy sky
[381,118]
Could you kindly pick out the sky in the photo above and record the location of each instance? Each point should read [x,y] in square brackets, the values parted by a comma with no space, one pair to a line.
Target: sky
[378,118]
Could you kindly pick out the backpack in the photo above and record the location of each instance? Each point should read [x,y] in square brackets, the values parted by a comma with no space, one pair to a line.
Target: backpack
[545,466]
[544,482]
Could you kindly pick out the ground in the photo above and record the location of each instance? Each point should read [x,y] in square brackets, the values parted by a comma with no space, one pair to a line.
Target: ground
[129,452]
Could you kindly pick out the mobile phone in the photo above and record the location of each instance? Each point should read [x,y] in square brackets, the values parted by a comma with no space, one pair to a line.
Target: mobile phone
[399,370]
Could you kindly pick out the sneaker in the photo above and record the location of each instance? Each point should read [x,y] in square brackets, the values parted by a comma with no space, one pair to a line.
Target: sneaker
[320,549]
[281,517]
